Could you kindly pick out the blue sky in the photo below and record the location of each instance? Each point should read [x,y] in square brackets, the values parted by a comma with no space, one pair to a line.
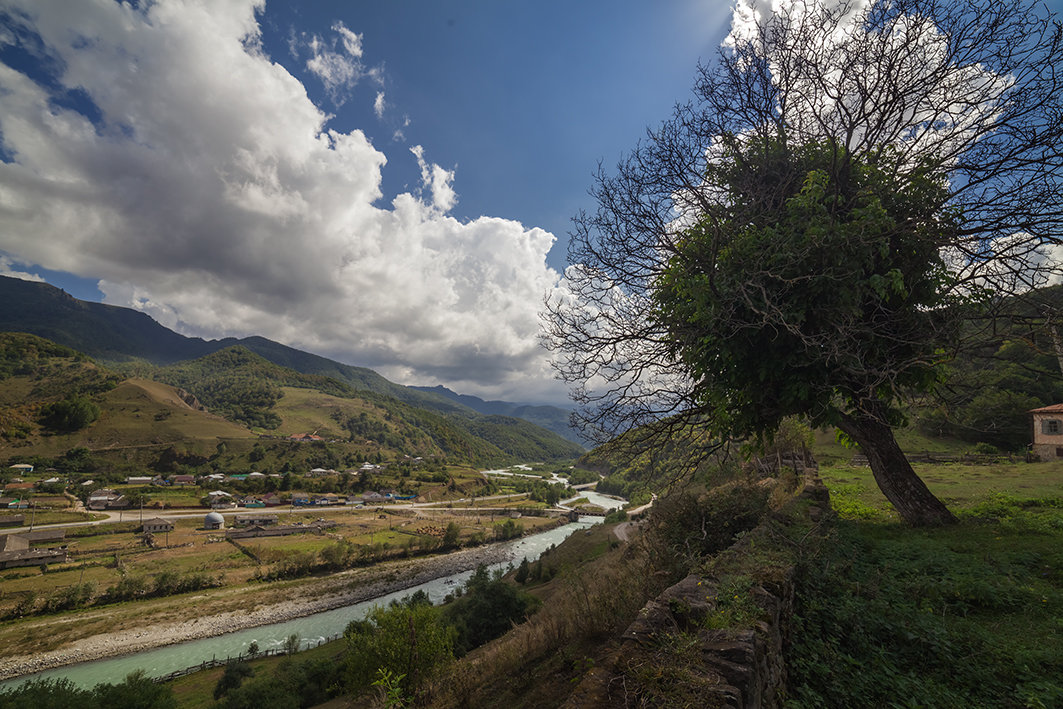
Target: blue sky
[385,183]
[418,239]
[521,99]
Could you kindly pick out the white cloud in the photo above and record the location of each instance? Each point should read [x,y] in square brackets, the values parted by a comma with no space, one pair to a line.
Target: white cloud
[10,268]
[921,100]
[437,181]
[337,62]
[379,105]
[217,202]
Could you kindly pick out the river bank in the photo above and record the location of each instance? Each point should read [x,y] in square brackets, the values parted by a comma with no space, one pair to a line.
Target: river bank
[314,596]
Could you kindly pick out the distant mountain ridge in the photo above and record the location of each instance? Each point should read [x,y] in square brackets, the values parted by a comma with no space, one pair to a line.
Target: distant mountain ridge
[115,334]
[552,418]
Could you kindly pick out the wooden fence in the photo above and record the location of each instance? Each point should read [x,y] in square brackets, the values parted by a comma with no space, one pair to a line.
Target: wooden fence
[215,662]
[860,460]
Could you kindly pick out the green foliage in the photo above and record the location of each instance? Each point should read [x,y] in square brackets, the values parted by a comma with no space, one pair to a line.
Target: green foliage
[234,675]
[735,605]
[992,387]
[508,530]
[523,571]
[68,415]
[391,687]
[166,583]
[488,607]
[26,355]
[451,535]
[957,617]
[822,276]
[406,640]
[136,691]
[292,684]
[693,526]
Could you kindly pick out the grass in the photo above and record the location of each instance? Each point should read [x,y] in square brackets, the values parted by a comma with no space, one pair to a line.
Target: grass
[963,615]
[968,615]
[196,690]
[855,495]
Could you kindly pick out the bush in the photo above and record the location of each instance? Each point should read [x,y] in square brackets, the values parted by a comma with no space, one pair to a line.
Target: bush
[694,526]
[71,414]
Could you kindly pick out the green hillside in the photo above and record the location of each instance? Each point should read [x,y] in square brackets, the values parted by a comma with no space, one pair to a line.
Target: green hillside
[115,335]
[188,413]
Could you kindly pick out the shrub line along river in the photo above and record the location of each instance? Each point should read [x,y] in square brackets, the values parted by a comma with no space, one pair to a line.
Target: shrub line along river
[311,629]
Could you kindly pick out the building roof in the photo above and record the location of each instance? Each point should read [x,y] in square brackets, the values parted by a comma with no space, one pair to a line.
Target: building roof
[1053,409]
[214,518]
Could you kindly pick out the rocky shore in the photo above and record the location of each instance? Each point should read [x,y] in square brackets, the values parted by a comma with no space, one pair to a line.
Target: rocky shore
[342,589]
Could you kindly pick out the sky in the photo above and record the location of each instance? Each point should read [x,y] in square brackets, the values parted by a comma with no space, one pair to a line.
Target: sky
[388,184]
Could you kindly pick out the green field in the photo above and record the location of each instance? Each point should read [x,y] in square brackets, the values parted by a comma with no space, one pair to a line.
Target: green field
[964,615]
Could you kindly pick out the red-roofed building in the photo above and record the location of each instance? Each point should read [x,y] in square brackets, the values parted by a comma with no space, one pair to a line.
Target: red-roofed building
[1047,423]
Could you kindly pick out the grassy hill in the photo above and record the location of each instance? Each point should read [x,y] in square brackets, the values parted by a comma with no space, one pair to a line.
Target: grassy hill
[115,335]
[189,413]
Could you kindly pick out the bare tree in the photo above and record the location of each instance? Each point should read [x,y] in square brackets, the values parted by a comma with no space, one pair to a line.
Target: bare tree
[801,238]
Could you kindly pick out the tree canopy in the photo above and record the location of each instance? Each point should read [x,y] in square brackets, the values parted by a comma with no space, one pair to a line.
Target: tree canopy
[801,238]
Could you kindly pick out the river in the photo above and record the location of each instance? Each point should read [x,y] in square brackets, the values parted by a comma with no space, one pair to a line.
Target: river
[311,629]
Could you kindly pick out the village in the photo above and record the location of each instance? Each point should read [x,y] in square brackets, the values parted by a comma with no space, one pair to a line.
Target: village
[151,537]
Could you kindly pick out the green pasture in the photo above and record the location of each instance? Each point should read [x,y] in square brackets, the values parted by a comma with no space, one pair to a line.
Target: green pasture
[969,614]
[855,495]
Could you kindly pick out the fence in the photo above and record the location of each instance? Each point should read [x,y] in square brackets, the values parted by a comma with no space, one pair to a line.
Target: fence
[215,662]
[860,460]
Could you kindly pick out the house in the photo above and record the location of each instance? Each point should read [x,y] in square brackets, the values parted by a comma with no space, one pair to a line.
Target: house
[214,520]
[12,520]
[15,551]
[1047,425]
[138,480]
[157,525]
[272,500]
[13,542]
[22,468]
[45,535]
[305,437]
[257,520]
[182,479]
[106,499]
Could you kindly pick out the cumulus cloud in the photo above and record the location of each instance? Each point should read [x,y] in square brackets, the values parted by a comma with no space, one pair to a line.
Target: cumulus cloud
[220,203]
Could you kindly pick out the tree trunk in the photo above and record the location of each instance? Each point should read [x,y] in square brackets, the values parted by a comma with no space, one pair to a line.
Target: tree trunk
[893,473]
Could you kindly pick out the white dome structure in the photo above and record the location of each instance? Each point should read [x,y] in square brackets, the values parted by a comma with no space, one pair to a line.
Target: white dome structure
[214,520]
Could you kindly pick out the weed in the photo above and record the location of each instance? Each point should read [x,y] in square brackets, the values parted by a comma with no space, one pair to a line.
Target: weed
[735,604]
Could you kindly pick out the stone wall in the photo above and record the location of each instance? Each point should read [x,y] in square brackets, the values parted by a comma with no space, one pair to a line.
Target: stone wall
[680,649]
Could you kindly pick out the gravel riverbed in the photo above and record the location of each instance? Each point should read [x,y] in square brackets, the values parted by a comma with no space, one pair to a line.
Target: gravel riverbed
[342,589]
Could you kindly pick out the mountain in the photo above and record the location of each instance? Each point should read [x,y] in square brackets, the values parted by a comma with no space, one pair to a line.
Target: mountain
[552,418]
[140,412]
[115,335]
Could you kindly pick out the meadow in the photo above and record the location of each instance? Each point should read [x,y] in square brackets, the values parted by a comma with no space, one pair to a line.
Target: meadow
[964,615]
